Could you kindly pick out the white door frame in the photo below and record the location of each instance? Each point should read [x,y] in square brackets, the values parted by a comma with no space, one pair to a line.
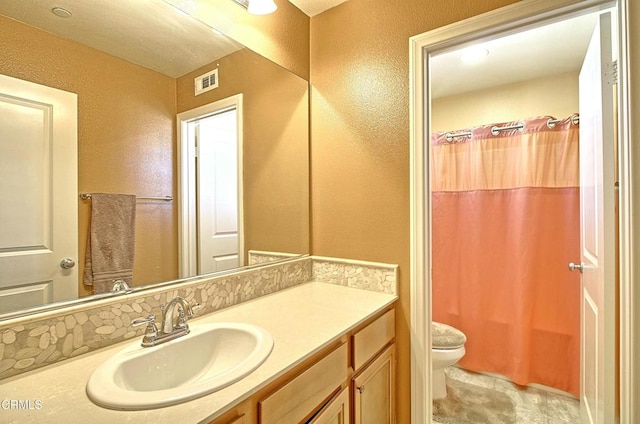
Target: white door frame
[187,219]
[510,18]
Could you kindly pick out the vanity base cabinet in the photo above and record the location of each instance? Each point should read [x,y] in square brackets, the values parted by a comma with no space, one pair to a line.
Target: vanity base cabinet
[374,391]
[350,382]
[337,411]
[302,396]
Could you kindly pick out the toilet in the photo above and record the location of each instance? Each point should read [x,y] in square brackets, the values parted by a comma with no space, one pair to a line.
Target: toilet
[447,348]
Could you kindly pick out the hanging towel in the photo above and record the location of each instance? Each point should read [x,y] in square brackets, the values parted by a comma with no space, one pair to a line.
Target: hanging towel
[111,241]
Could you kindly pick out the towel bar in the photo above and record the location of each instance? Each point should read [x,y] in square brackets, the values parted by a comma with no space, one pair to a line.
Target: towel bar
[87,196]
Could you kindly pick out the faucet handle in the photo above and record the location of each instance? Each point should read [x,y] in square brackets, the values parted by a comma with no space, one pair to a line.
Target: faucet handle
[182,319]
[151,332]
[185,314]
[151,320]
[193,307]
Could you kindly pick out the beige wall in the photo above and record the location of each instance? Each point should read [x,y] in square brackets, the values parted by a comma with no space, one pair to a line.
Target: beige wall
[276,146]
[555,95]
[126,117]
[282,37]
[360,137]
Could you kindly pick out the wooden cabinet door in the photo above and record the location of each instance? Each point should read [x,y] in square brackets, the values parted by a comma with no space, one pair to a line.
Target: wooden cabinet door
[374,391]
[336,411]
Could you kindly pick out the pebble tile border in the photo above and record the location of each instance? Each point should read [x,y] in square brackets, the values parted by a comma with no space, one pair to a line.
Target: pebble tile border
[357,274]
[261,257]
[33,341]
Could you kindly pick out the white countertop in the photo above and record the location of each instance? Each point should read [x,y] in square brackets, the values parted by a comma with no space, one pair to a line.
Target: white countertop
[302,320]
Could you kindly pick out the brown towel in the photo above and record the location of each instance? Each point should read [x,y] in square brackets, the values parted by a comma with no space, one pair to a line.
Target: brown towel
[111,241]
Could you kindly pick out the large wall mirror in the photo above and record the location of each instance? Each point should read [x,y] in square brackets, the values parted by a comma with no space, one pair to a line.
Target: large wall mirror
[132,66]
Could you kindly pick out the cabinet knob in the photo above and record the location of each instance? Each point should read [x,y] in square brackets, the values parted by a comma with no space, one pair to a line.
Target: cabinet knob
[360,389]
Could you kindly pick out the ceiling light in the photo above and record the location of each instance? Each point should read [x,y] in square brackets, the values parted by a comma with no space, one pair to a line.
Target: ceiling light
[61,12]
[261,7]
[474,54]
[258,7]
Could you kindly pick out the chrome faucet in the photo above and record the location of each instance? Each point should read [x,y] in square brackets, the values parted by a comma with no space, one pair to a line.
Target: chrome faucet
[119,285]
[172,328]
[169,325]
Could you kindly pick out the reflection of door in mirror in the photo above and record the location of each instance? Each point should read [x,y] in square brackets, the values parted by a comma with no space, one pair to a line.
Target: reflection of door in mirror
[38,156]
[210,144]
[217,191]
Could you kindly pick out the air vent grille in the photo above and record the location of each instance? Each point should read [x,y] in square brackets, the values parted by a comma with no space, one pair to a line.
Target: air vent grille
[206,82]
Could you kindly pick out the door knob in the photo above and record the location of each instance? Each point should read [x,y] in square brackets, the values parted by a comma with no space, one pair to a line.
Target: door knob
[67,263]
[579,267]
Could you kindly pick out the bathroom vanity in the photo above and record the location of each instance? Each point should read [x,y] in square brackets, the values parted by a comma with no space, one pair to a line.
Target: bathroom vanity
[333,348]
[322,389]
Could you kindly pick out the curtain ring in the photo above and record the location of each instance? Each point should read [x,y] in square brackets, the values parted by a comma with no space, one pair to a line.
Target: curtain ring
[575,119]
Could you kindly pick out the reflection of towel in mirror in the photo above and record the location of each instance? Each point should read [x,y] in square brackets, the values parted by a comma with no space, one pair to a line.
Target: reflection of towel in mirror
[110,244]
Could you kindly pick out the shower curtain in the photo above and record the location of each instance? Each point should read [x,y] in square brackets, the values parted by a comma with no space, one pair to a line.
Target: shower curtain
[505,225]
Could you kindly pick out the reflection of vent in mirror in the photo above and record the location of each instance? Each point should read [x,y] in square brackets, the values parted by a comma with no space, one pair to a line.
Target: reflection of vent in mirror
[206,82]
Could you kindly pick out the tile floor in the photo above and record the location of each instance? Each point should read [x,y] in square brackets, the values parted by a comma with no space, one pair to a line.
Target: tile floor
[532,405]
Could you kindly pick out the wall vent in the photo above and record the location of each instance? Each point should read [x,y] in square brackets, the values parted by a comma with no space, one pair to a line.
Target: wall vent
[206,82]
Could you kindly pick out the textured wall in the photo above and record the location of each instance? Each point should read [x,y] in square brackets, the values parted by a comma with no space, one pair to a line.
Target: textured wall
[360,137]
[126,131]
[275,146]
[555,95]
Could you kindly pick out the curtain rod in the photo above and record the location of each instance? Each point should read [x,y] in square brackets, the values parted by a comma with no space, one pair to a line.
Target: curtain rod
[495,130]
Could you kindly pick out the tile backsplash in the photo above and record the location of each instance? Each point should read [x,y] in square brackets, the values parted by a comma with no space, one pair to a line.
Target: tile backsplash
[33,341]
[261,257]
[357,274]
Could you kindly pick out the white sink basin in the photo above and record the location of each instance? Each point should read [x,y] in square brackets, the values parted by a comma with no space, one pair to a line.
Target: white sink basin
[209,358]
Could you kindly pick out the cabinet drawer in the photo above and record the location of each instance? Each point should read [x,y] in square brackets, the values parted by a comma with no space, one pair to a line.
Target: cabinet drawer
[371,339]
[237,420]
[297,399]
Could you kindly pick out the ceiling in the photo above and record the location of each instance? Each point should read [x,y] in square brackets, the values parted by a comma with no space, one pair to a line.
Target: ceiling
[150,33]
[111,25]
[543,51]
[315,7]
[164,39]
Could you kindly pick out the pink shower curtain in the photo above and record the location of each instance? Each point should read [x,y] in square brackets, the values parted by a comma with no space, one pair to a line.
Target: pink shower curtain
[505,225]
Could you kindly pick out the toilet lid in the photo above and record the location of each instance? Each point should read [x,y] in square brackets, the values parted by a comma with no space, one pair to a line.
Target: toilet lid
[446,337]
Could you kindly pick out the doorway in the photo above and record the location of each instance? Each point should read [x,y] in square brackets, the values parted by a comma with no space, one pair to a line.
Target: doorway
[211,208]
[507,20]
[505,192]
[38,188]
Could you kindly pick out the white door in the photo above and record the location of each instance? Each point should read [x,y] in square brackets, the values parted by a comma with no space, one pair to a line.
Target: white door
[598,243]
[38,194]
[217,192]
